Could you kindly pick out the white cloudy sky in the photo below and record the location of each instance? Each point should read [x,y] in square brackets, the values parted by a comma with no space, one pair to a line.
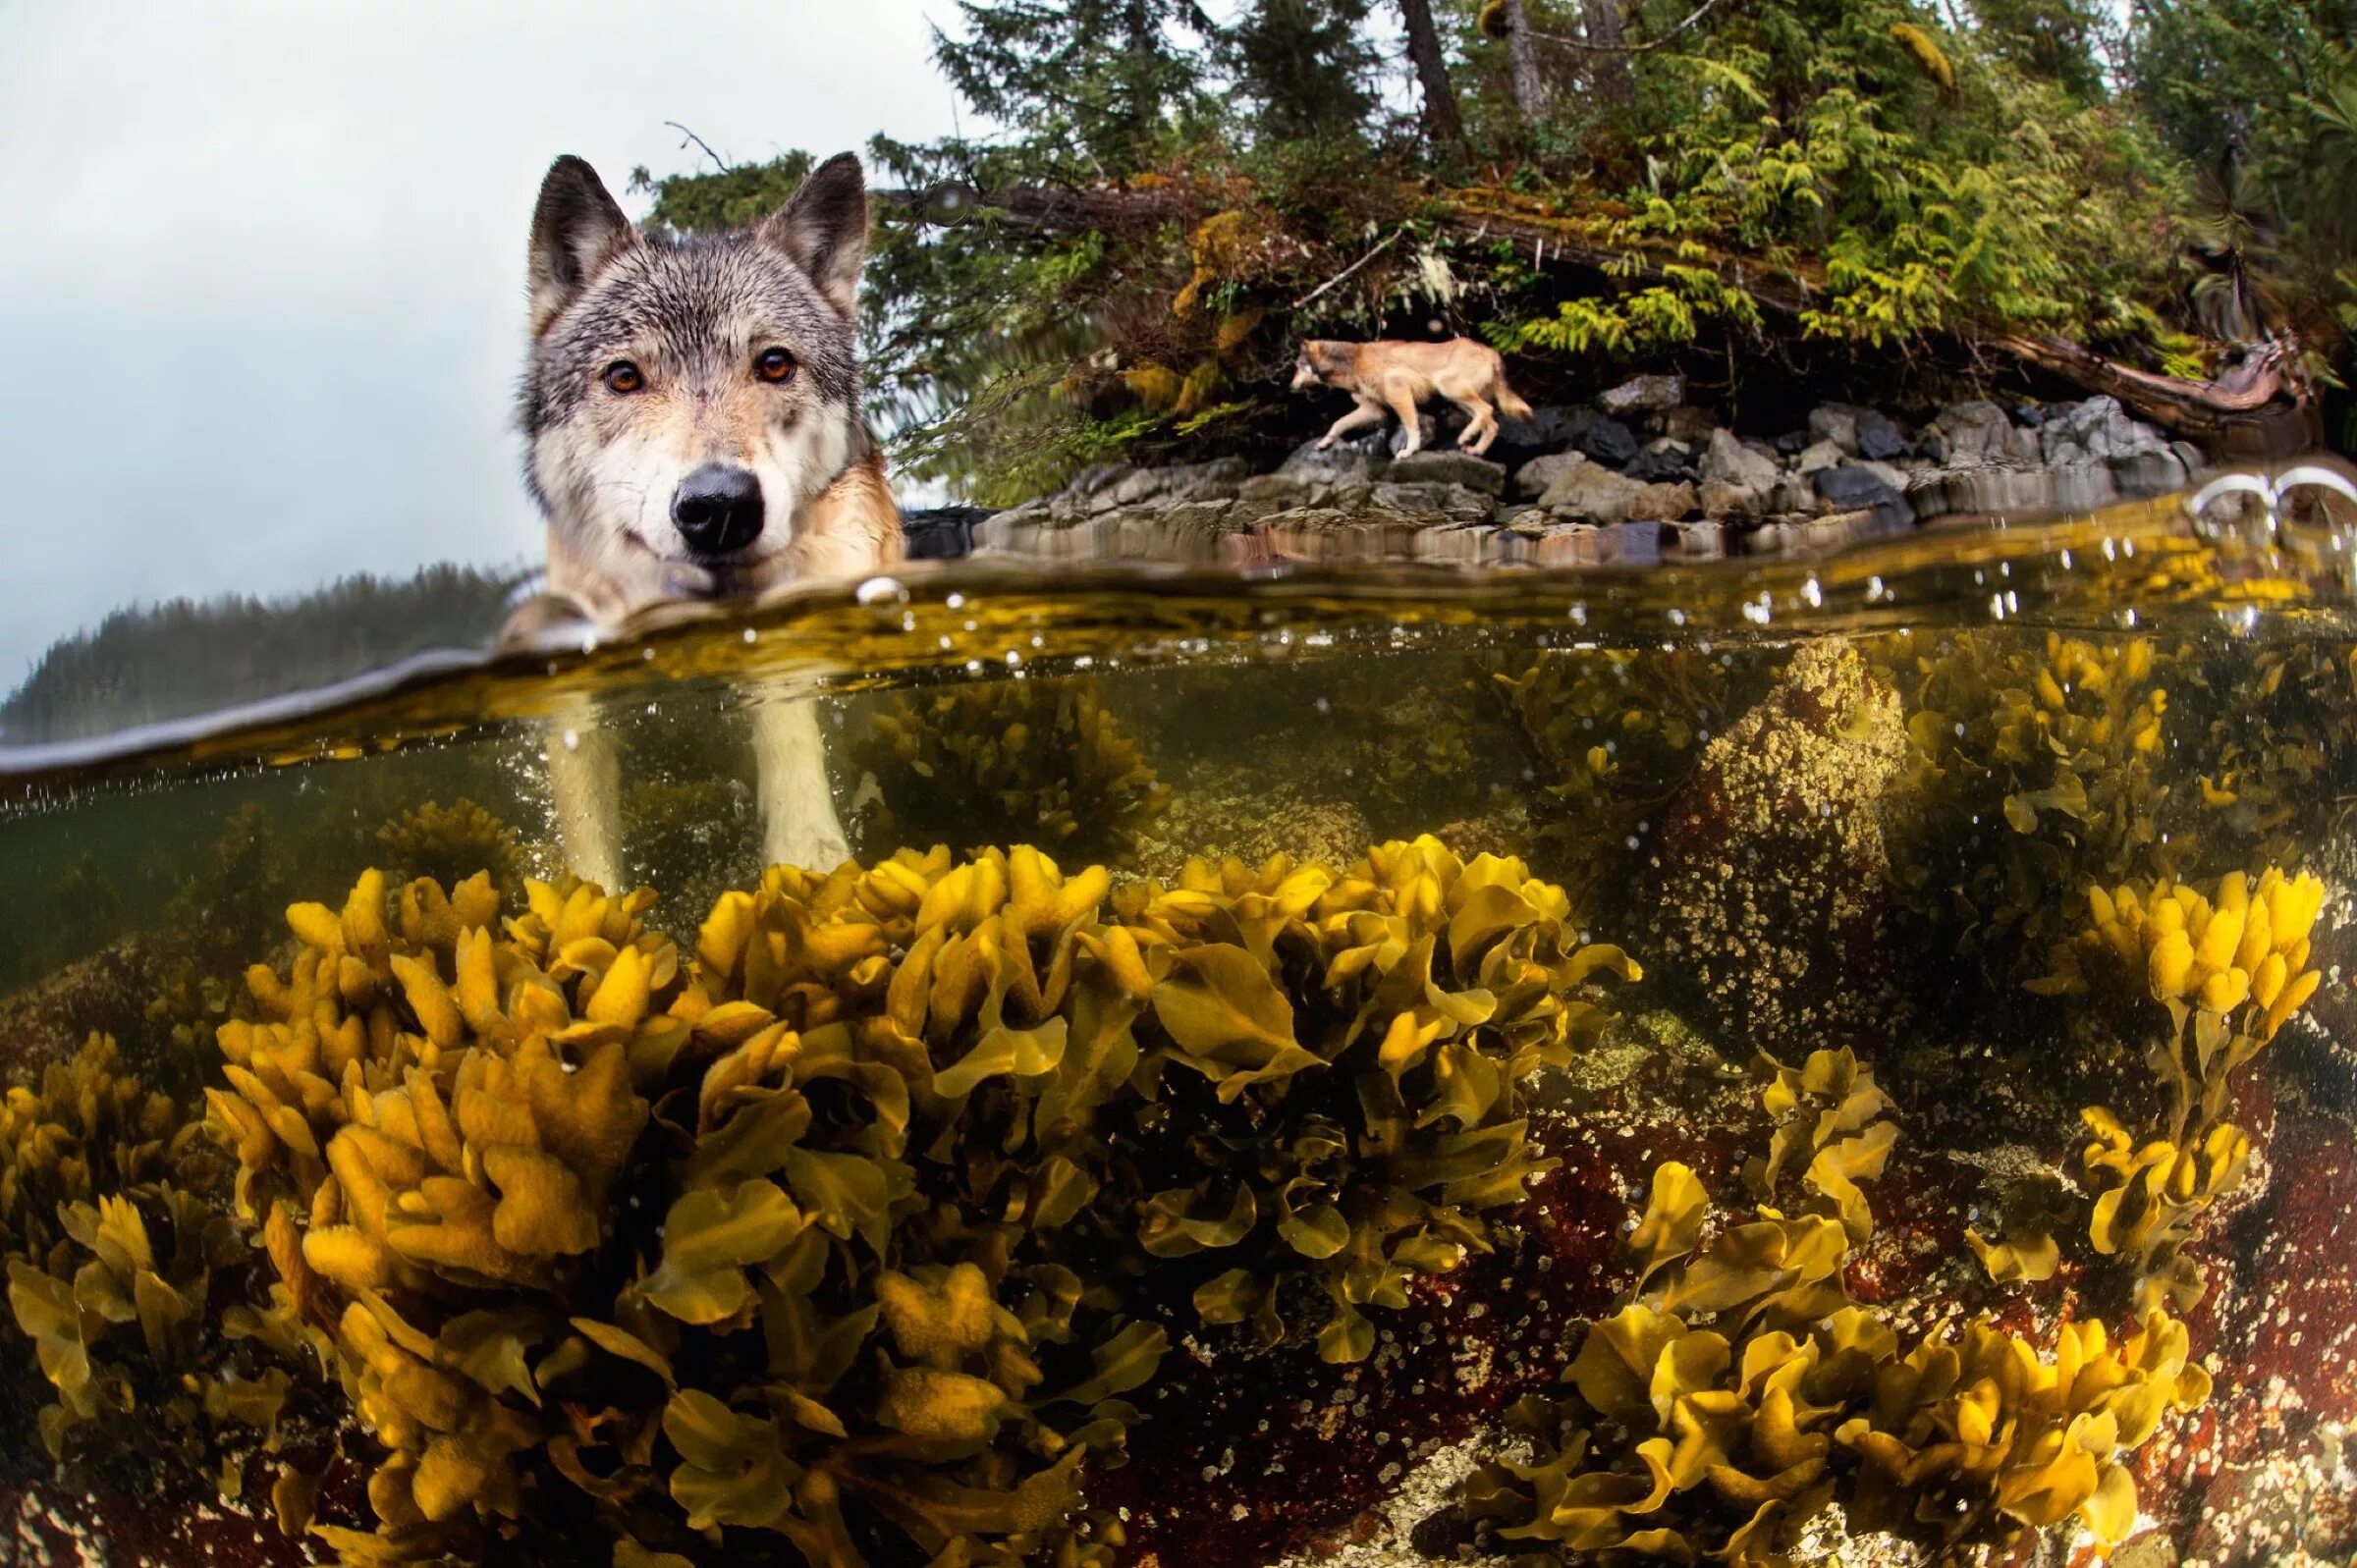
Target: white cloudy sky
[261,293]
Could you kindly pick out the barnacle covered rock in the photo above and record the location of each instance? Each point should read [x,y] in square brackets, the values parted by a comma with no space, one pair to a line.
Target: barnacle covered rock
[1773,869]
[2035,767]
[1032,761]
[893,1133]
[1739,1390]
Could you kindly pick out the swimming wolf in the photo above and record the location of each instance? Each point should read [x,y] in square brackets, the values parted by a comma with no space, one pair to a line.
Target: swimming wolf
[1393,377]
[690,410]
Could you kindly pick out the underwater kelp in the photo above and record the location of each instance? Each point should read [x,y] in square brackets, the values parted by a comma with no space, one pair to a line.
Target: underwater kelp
[2035,767]
[1740,1389]
[452,842]
[1619,732]
[2229,972]
[1036,762]
[852,1217]
[2276,769]
[113,1235]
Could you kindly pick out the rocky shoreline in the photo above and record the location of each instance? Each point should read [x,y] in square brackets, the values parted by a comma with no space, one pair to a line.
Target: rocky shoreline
[1635,474]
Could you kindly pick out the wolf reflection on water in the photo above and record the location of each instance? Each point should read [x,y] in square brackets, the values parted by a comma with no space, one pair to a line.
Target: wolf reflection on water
[1855,1087]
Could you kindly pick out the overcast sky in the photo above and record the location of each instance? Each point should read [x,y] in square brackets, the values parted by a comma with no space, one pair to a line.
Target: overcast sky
[261,296]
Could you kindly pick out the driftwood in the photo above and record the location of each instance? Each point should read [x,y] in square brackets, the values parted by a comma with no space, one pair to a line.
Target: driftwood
[2260,406]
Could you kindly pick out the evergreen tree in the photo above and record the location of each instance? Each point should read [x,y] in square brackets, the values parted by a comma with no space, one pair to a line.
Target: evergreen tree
[1095,89]
[1303,66]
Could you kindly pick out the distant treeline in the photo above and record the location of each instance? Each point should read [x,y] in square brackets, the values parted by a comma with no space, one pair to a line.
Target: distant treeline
[179,658]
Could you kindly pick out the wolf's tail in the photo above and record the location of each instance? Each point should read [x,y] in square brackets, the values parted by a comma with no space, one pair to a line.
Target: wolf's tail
[1507,402]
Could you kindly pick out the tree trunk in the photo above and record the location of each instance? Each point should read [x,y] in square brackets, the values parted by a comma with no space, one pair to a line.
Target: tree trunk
[1443,125]
[1609,75]
[1530,88]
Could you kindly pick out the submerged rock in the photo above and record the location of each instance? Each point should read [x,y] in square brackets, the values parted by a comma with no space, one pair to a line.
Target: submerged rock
[1774,866]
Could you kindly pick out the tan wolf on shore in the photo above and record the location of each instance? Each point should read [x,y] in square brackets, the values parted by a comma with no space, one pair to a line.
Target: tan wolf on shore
[1394,377]
[690,406]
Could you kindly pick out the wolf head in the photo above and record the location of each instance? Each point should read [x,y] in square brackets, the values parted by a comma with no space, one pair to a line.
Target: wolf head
[1315,362]
[686,398]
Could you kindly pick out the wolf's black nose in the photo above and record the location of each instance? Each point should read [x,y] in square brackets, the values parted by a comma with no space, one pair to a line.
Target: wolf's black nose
[718,509]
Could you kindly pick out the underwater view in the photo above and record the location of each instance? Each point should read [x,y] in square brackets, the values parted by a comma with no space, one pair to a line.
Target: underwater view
[1845,1058]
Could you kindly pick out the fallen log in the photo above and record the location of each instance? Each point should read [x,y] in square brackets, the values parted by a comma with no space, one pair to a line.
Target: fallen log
[2261,407]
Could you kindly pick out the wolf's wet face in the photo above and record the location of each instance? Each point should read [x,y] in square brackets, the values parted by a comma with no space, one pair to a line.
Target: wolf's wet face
[686,398]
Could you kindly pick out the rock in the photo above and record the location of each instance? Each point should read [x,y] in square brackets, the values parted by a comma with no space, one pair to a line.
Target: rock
[1792,443]
[2138,474]
[1687,423]
[1727,461]
[2191,455]
[1697,541]
[1664,459]
[1663,502]
[1443,500]
[1451,467]
[1978,489]
[1837,422]
[1609,441]
[1281,491]
[1432,430]
[1791,493]
[942,533]
[1509,514]
[1819,455]
[1852,487]
[1897,478]
[1879,438]
[1721,498]
[2080,486]
[1979,431]
[1590,493]
[1775,873]
[2099,428]
[1534,477]
[1183,481]
[1351,459]
[1548,430]
[1641,393]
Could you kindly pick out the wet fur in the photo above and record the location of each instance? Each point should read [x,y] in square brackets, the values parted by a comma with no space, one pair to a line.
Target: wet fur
[692,313]
[1394,378]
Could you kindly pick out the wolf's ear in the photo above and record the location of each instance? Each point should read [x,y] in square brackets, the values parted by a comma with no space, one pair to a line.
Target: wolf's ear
[577,229]
[823,226]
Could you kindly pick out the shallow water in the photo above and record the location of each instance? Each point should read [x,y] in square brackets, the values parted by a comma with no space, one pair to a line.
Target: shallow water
[1854,804]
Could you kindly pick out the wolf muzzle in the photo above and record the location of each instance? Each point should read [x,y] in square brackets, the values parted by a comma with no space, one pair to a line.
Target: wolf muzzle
[718,509]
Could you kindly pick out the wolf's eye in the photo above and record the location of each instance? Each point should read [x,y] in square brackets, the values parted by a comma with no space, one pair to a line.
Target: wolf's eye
[623,376]
[773,364]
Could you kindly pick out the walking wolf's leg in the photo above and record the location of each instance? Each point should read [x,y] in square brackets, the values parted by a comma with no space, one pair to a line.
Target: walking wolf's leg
[1363,415]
